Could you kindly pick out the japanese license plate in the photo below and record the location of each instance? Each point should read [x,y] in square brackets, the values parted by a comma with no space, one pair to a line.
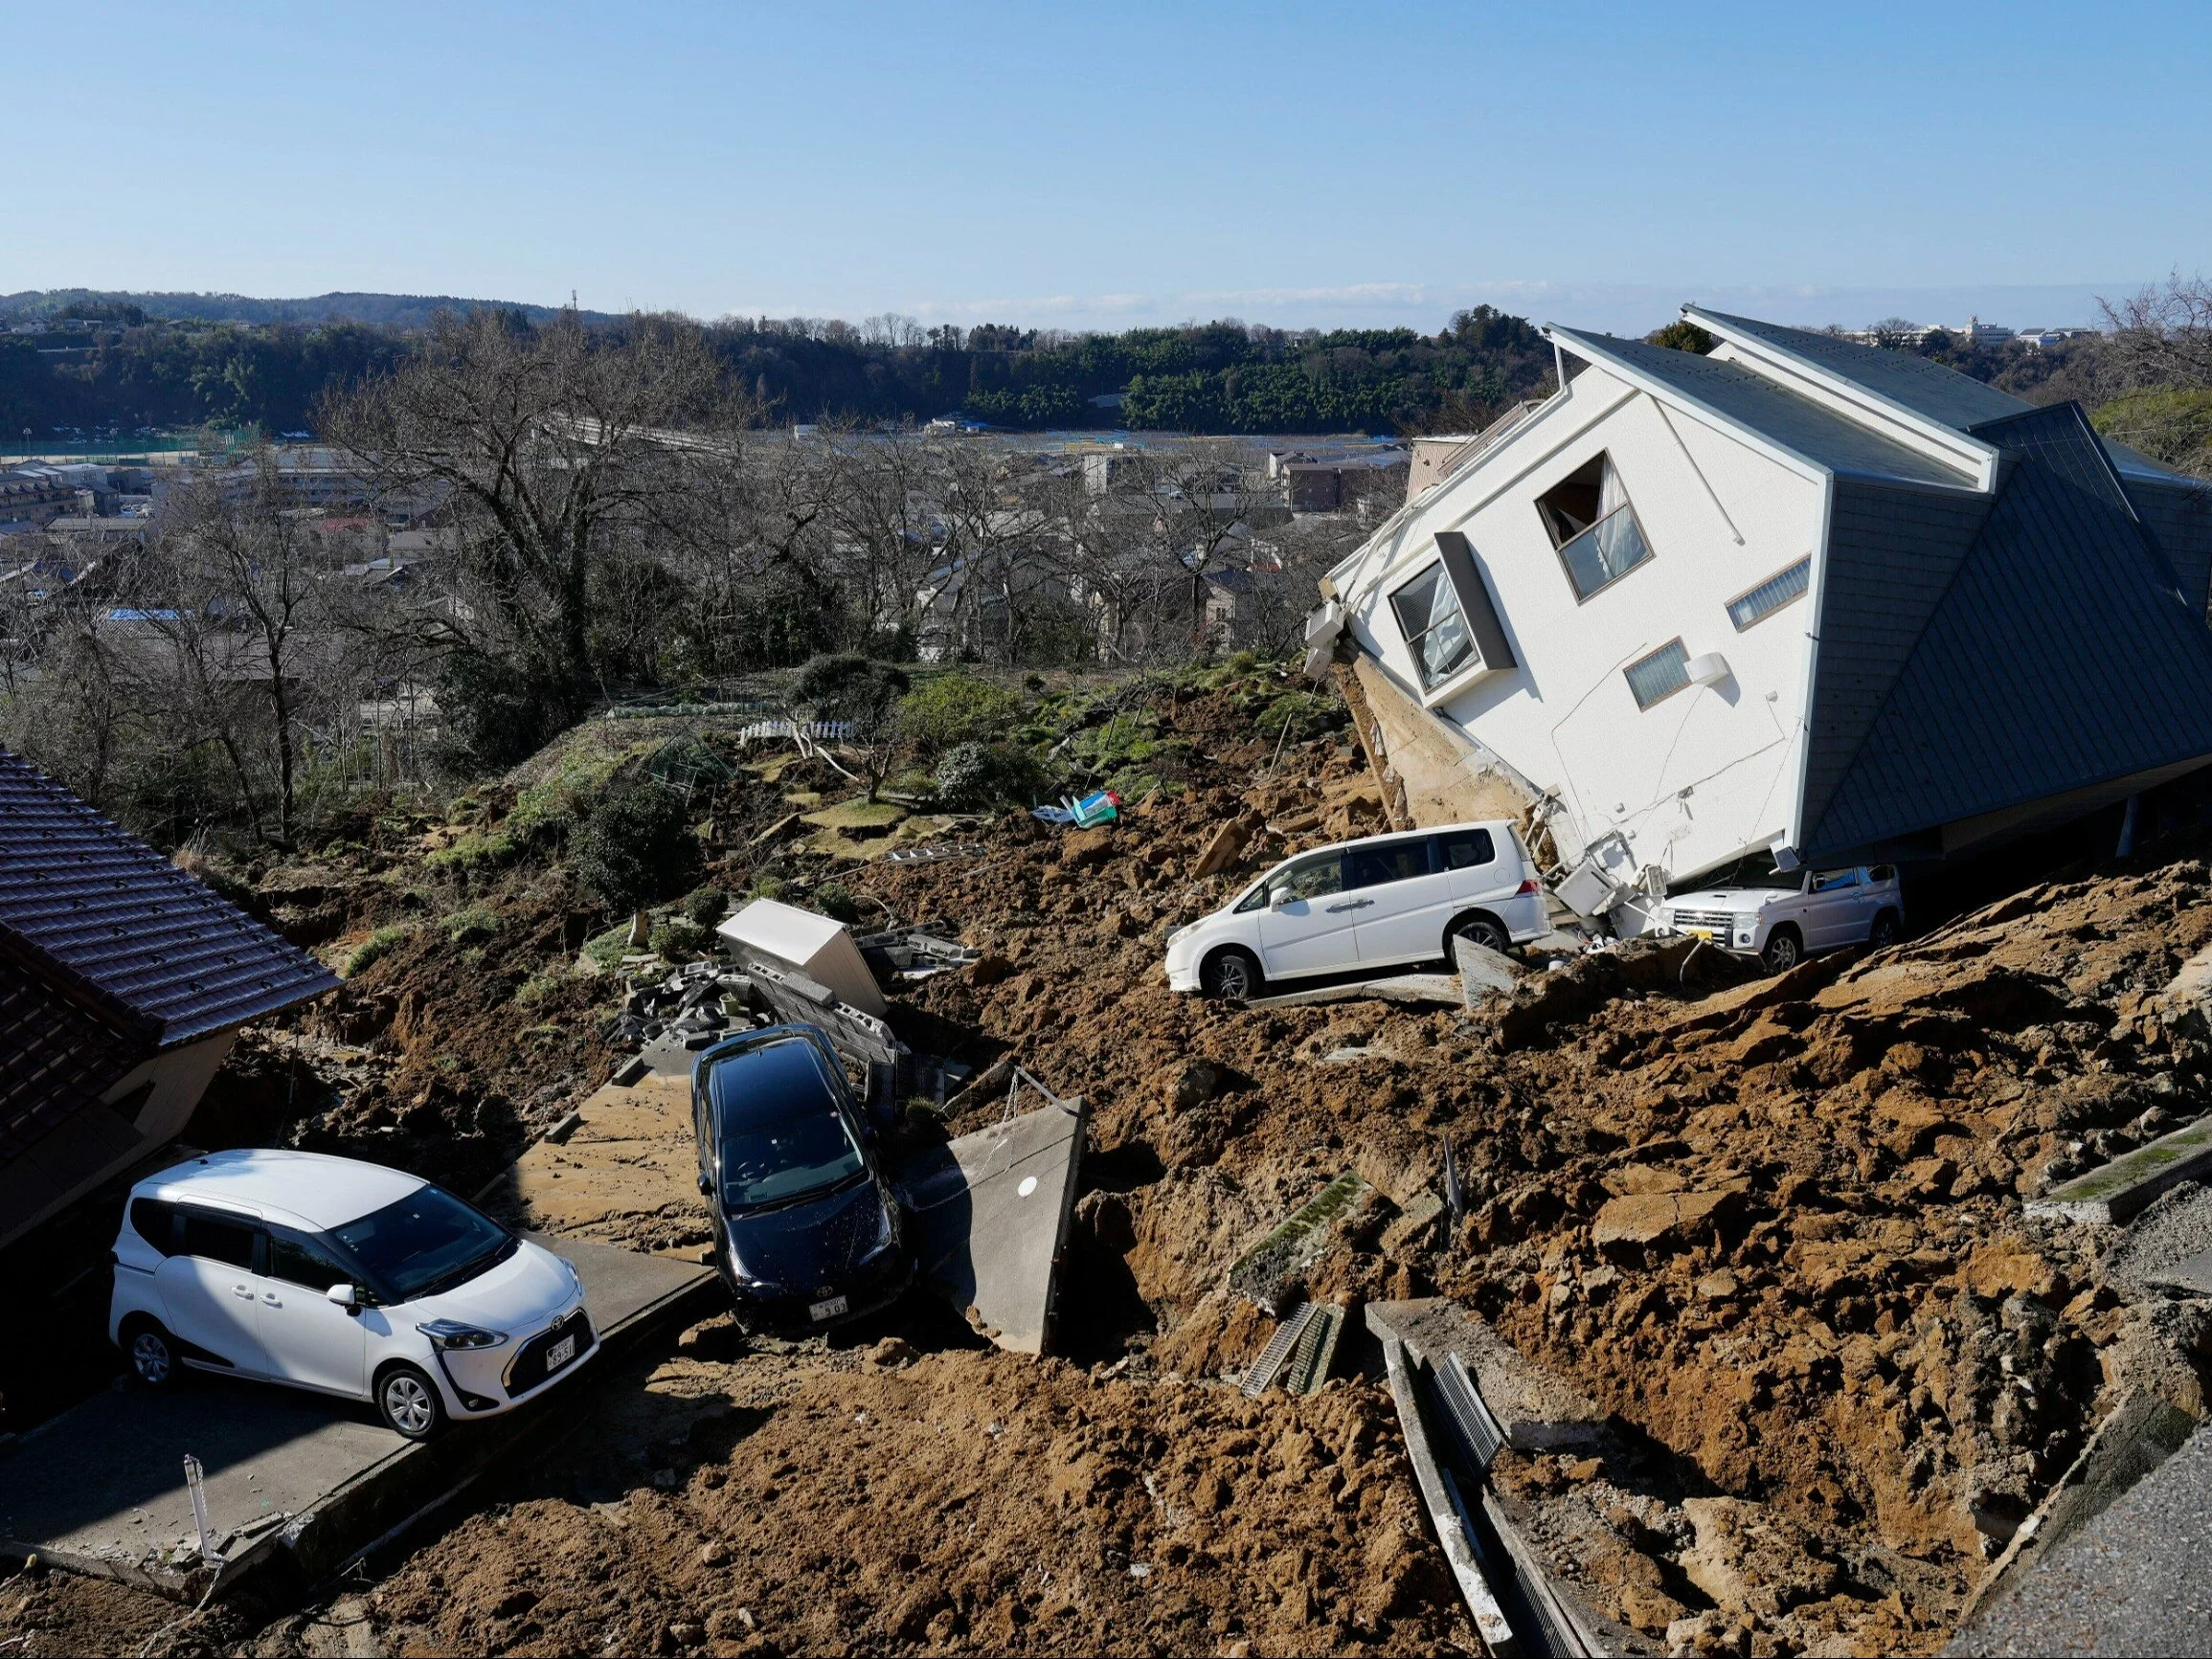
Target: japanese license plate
[829,1309]
[561,1353]
[1706,934]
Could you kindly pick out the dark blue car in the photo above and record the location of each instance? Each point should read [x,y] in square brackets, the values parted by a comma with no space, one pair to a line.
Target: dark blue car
[807,1231]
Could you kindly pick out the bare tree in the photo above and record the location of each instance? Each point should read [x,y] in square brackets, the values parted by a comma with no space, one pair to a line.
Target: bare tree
[2164,333]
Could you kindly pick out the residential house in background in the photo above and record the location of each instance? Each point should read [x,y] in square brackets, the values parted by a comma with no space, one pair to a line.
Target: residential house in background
[1799,598]
[123,985]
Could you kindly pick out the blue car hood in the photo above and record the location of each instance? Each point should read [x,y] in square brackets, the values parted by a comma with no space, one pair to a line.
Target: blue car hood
[810,1248]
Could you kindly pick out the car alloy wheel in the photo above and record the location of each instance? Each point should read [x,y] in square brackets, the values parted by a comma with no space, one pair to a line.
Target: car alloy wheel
[150,1358]
[1232,977]
[408,1404]
[1884,932]
[1483,932]
[1782,954]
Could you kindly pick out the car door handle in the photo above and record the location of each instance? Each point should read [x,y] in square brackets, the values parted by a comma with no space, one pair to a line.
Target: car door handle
[270,1297]
[1355,904]
[244,1291]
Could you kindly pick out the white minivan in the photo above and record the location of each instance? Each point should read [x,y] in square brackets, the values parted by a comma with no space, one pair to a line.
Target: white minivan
[1382,902]
[341,1277]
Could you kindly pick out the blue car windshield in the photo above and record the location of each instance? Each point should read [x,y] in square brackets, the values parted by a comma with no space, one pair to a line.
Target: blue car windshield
[427,1242]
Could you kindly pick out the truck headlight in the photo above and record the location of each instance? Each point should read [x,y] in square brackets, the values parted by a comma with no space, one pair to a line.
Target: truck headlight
[451,1335]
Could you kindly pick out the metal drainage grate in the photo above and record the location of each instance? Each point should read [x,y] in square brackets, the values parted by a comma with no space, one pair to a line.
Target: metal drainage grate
[1260,1375]
[1315,1350]
[1472,1425]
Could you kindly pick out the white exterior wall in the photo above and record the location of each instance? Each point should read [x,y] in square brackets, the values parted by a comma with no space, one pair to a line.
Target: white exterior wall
[1702,775]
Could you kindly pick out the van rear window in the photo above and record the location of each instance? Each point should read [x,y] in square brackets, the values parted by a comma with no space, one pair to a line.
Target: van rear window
[1464,849]
[154,1219]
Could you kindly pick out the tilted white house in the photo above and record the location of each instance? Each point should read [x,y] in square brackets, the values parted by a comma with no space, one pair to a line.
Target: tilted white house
[1798,595]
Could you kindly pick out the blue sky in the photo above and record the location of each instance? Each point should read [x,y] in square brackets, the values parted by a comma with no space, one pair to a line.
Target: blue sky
[1100,166]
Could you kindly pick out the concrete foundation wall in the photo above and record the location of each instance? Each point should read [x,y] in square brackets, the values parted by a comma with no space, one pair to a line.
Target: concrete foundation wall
[1442,776]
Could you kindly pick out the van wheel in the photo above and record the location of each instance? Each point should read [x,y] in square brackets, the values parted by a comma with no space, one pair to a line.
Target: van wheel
[152,1353]
[1785,950]
[1483,930]
[408,1402]
[1885,930]
[1232,976]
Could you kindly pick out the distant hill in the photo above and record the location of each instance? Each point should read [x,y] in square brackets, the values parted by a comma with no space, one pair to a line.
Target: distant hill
[379,310]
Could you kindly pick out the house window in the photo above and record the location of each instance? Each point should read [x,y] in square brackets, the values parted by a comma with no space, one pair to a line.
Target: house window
[1771,595]
[1591,523]
[1660,675]
[1434,627]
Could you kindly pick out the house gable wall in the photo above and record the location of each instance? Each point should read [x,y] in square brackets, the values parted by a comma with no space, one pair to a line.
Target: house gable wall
[1563,716]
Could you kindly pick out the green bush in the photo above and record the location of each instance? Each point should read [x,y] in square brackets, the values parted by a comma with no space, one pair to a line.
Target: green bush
[955,708]
[680,941]
[377,946]
[635,847]
[707,907]
[833,901]
[471,927]
[977,777]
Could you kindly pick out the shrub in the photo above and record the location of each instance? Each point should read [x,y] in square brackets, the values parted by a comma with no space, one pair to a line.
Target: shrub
[470,927]
[833,901]
[378,944]
[680,941]
[977,777]
[955,708]
[707,907]
[635,847]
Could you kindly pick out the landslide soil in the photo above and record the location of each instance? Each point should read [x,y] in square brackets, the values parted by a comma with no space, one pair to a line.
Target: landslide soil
[1774,1226]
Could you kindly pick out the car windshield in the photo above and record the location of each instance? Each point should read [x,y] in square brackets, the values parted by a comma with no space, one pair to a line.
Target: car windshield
[427,1242]
[804,1150]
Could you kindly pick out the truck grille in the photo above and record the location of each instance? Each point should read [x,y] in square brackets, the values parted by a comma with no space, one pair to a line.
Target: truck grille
[1717,921]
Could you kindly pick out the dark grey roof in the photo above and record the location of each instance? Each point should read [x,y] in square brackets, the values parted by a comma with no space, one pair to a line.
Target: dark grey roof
[60,1055]
[1782,417]
[1905,377]
[2177,513]
[123,928]
[2061,656]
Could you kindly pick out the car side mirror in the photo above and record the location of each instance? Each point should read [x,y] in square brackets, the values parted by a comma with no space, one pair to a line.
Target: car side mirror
[344,1296]
[706,1186]
[1280,898]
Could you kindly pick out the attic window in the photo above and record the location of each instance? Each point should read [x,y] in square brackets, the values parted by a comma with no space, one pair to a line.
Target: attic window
[1771,595]
[1655,678]
[1434,627]
[1591,523]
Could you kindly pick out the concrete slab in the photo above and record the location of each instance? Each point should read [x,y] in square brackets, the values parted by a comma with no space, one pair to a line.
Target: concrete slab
[2131,1582]
[100,1489]
[626,1174]
[1441,988]
[2130,1182]
[991,1212]
[1538,1410]
[2192,1274]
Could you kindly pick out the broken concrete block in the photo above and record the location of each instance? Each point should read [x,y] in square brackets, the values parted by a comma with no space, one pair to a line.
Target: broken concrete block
[1482,969]
[2113,1193]
[1536,1410]
[1404,1231]
[1271,1273]
[1222,850]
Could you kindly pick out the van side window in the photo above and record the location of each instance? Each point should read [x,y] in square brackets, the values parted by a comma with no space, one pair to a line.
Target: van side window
[216,1238]
[155,1221]
[1311,878]
[298,1262]
[1829,881]
[1392,861]
[1464,849]
[1880,873]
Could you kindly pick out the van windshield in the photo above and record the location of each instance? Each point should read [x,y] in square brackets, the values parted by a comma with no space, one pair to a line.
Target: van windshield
[426,1243]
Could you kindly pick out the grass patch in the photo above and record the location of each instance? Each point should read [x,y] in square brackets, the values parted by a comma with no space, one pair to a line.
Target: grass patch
[471,927]
[608,948]
[373,949]
[556,801]
[474,852]
[859,815]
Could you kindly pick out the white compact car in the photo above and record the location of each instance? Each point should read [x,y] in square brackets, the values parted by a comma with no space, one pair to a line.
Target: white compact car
[341,1277]
[1382,902]
[1782,919]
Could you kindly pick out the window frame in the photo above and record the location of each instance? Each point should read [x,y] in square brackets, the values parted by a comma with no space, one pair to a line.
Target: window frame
[1423,845]
[1474,656]
[1559,547]
[1729,608]
[1674,644]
